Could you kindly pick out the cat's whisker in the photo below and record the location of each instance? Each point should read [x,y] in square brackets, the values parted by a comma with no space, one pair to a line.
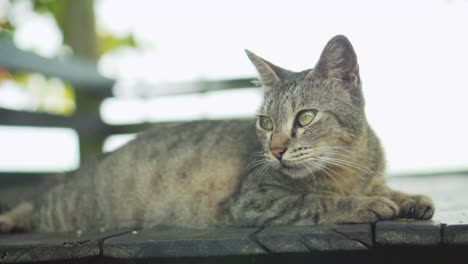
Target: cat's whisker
[346,162]
[343,164]
[336,153]
[342,150]
[343,160]
[349,167]
[261,171]
[337,150]
[256,163]
[350,163]
[321,168]
[259,153]
[333,147]
[346,155]
[311,171]
[314,167]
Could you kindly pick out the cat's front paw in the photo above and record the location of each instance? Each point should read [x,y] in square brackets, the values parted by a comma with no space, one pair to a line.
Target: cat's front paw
[418,207]
[376,208]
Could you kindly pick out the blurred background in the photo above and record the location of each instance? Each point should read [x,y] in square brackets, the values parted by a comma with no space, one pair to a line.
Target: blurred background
[78,78]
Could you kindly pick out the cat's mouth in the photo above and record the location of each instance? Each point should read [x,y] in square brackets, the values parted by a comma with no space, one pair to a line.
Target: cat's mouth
[292,170]
[297,170]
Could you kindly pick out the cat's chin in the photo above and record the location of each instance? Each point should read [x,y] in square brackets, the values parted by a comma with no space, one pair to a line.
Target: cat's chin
[295,172]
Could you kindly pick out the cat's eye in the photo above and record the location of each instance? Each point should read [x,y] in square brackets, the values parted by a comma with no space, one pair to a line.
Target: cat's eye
[305,117]
[265,122]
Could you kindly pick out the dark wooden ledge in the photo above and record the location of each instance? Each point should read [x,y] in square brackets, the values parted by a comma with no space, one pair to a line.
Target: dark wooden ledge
[426,239]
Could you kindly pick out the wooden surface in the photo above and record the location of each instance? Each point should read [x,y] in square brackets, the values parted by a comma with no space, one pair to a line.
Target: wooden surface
[51,247]
[408,232]
[289,239]
[448,229]
[183,242]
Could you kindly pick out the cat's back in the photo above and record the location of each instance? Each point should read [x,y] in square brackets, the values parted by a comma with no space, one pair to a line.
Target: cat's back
[179,173]
[194,145]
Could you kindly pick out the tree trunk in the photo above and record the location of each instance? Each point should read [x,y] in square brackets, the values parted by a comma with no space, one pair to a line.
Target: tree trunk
[79,28]
[79,32]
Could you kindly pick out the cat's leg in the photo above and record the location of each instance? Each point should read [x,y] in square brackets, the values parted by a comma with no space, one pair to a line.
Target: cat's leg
[19,218]
[262,207]
[411,206]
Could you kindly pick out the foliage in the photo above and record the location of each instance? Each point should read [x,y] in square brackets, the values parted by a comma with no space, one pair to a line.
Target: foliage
[106,42]
[7,26]
[50,94]
[109,42]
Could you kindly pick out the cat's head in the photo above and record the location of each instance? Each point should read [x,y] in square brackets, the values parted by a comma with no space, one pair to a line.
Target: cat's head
[310,120]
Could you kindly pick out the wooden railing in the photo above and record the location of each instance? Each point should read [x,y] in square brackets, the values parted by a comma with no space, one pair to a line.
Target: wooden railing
[90,90]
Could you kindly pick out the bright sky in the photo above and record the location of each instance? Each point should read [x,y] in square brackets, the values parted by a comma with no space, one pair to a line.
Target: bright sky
[412,57]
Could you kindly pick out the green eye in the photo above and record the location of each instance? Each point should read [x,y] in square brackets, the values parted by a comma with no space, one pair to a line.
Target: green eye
[305,117]
[266,123]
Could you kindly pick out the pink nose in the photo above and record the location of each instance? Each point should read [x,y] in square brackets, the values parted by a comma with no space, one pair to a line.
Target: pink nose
[278,152]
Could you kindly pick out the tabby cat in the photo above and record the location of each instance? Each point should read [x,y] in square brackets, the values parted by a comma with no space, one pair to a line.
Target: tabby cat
[309,158]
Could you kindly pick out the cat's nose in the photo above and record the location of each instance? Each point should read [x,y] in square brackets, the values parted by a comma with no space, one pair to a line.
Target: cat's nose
[278,152]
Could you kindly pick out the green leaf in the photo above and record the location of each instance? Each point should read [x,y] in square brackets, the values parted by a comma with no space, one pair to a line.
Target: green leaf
[109,42]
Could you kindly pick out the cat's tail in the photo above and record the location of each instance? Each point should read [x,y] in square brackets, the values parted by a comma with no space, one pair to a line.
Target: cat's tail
[17,219]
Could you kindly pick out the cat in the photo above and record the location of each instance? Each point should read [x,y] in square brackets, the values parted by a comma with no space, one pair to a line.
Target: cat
[309,158]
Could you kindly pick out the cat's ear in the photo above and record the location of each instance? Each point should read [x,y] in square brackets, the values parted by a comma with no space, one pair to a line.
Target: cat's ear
[269,73]
[338,60]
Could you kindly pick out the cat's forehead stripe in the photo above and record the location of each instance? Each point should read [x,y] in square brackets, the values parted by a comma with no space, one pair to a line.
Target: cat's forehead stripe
[281,110]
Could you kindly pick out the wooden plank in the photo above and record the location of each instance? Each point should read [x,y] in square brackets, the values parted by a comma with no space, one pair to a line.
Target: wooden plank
[87,122]
[200,86]
[29,247]
[360,233]
[20,178]
[455,227]
[283,239]
[175,242]
[408,233]
[301,239]
[83,75]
